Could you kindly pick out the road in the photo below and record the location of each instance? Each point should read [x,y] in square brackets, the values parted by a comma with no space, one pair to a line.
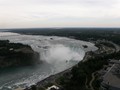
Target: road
[117,47]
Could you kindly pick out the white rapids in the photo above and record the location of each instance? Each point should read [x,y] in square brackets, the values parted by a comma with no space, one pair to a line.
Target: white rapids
[57,54]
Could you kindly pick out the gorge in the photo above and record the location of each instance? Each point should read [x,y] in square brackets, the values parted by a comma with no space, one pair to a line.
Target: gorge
[56,54]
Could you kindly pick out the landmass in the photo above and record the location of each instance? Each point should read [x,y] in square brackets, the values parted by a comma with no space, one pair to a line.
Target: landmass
[95,71]
[16,54]
[99,70]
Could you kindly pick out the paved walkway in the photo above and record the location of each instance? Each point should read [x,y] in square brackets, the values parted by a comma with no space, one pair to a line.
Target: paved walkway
[91,82]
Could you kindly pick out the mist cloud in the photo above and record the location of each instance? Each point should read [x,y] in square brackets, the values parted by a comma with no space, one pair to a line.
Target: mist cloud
[60,53]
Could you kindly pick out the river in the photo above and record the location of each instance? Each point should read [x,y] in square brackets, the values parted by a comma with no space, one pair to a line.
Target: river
[56,53]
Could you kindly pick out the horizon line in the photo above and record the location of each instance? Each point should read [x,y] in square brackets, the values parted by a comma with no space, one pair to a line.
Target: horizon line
[63,28]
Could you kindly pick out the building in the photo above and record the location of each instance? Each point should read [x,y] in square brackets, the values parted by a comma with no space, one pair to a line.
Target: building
[111,79]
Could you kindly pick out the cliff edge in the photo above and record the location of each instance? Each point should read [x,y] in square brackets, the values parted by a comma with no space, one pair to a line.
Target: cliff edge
[16,54]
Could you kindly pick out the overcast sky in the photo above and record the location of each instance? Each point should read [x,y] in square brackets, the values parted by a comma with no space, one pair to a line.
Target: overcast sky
[59,13]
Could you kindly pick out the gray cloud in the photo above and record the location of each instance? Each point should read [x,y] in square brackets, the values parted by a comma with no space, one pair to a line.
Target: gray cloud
[46,13]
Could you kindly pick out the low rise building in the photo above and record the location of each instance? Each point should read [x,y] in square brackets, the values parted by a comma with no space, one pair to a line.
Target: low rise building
[111,80]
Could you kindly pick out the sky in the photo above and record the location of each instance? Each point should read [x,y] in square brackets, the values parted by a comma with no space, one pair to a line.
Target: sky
[59,13]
